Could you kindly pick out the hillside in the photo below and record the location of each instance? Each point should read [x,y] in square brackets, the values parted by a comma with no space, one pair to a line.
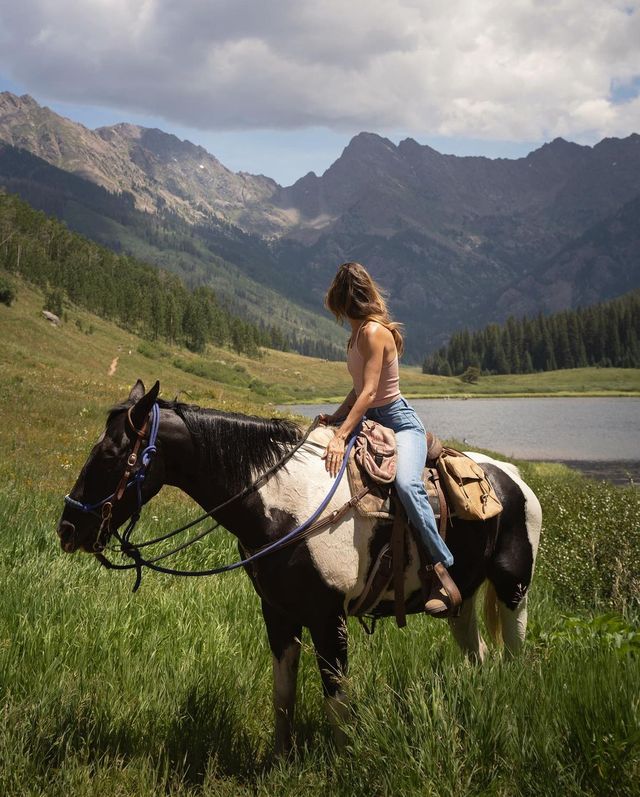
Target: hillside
[238,266]
[90,355]
[599,264]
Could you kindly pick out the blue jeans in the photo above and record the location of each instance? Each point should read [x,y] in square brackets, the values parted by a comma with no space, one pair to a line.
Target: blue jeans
[412,454]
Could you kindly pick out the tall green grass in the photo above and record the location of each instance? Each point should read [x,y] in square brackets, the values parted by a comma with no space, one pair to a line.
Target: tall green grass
[169,690]
[590,547]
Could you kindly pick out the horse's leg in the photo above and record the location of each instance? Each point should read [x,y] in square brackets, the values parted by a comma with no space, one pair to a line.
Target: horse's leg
[514,625]
[330,642]
[466,632]
[284,641]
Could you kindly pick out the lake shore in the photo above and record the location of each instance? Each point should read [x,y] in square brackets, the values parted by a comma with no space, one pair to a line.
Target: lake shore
[500,395]
[623,473]
[596,436]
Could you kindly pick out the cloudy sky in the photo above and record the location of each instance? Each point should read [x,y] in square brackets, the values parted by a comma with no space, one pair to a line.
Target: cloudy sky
[279,86]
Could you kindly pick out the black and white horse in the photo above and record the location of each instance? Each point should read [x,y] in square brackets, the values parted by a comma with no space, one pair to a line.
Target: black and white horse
[212,455]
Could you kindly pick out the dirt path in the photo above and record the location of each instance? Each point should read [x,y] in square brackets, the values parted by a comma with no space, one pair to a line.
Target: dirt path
[113,366]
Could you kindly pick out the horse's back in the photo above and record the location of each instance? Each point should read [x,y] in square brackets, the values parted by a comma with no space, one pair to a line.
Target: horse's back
[514,493]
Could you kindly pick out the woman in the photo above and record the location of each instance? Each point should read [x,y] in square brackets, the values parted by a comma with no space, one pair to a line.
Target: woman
[372,359]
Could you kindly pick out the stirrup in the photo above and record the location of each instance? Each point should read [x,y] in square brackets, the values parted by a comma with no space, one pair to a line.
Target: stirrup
[444,599]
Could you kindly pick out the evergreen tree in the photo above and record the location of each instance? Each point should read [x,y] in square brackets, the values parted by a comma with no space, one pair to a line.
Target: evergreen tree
[602,335]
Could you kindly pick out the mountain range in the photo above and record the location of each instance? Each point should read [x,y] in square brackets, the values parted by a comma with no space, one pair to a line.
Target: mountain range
[455,240]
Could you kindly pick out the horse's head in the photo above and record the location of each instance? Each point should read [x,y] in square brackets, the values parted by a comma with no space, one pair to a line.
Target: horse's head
[106,493]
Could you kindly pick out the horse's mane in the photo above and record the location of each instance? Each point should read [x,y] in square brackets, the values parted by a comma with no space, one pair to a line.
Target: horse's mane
[242,445]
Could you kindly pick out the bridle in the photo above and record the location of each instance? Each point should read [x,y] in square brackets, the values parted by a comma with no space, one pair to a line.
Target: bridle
[130,478]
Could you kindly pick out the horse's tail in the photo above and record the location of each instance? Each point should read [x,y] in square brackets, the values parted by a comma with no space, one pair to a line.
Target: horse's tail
[492,614]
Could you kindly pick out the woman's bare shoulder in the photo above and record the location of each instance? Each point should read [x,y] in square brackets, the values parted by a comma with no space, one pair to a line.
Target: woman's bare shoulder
[375,333]
[375,328]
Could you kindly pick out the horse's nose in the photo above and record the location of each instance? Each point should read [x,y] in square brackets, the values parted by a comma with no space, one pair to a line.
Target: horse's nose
[66,532]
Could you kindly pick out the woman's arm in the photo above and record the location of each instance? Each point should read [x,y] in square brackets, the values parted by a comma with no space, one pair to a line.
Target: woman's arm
[372,348]
[342,411]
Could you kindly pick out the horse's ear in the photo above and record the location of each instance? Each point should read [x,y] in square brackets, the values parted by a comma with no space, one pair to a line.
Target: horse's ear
[137,391]
[142,407]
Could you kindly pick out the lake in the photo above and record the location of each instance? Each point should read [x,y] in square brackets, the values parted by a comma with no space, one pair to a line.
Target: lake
[590,433]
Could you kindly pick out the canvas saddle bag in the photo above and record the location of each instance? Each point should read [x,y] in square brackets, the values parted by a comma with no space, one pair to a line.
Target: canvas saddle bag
[470,494]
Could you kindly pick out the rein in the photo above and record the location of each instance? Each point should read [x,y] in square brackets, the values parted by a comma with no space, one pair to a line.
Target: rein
[132,550]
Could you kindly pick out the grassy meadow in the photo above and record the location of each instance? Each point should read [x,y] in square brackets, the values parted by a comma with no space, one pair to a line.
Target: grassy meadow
[168,691]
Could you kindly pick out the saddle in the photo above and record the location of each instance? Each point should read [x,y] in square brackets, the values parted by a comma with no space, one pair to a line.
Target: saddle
[375,497]
[379,500]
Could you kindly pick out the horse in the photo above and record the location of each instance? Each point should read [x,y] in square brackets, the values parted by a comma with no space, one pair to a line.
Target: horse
[213,455]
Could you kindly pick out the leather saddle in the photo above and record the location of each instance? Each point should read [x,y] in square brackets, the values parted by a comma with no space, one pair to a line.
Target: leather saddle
[380,501]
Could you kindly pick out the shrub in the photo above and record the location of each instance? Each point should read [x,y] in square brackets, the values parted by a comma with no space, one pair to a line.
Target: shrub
[154,351]
[259,387]
[7,291]
[216,371]
[53,302]
[471,376]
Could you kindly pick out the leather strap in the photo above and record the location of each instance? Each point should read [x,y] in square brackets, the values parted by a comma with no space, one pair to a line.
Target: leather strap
[133,456]
[398,545]
[455,599]
[425,571]
[444,510]
[378,581]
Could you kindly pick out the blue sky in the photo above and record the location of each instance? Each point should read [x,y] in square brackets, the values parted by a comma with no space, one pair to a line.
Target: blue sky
[280,87]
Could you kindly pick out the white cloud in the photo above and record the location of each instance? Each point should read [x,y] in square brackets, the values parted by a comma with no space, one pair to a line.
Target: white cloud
[500,69]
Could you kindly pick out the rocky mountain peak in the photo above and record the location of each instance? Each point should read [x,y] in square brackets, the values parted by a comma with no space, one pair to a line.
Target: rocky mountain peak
[158,169]
[164,145]
[9,100]
[559,148]
[409,146]
[369,142]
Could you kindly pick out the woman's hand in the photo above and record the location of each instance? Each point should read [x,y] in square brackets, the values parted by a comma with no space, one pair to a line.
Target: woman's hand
[326,420]
[334,455]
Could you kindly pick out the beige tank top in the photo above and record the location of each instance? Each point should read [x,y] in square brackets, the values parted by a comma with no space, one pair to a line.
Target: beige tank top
[389,384]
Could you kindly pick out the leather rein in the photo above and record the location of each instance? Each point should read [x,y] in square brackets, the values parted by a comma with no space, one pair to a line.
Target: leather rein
[132,477]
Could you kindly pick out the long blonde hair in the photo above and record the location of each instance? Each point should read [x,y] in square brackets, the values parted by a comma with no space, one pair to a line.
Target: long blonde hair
[354,294]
